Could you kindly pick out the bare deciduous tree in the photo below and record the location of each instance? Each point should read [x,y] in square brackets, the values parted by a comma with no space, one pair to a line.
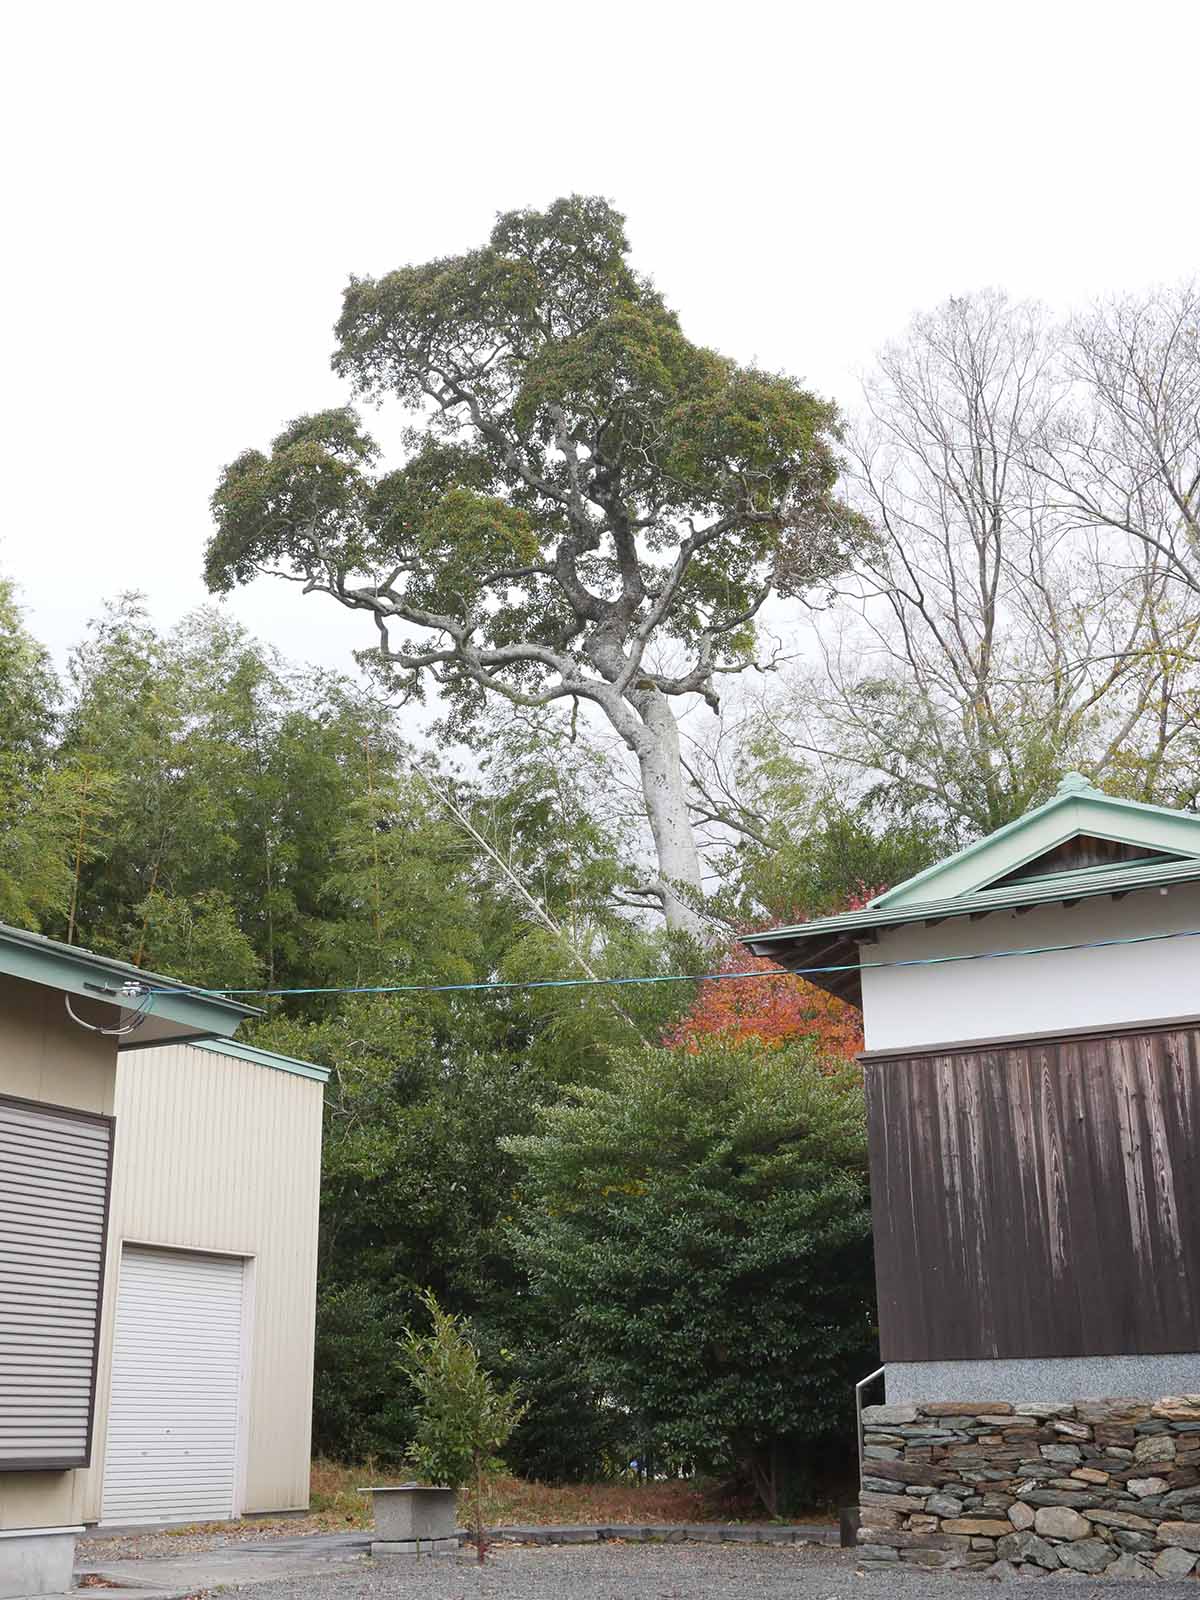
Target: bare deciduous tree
[1122,448]
[998,633]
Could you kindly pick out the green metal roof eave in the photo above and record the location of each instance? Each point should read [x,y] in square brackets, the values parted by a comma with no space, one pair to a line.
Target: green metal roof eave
[1083,884]
[1084,809]
[73,970]
[264,1058]
[1017,825]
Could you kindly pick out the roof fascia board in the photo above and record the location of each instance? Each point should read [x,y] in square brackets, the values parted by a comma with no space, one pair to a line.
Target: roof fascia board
[1051,890]
[58,967]
[1022,841]
[127,1046]
[912,890]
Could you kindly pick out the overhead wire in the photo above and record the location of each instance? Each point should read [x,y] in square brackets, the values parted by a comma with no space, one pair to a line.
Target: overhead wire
[522,984]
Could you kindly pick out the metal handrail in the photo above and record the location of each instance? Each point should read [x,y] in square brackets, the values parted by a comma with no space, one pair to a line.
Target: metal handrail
[858,1411]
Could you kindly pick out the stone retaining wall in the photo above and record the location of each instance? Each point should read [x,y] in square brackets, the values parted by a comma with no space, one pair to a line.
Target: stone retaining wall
[1100,1486]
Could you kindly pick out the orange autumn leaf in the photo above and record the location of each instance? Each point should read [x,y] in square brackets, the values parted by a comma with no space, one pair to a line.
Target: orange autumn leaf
[775,1009]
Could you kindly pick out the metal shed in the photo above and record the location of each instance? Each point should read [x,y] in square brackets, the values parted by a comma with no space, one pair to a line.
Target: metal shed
[159,1188]
[216,1191]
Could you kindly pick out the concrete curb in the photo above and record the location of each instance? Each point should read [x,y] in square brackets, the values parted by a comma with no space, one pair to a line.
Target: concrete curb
[666,1533]
[299,1560]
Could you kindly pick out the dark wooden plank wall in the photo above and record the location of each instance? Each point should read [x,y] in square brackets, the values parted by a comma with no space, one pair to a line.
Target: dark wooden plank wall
[1039,1199]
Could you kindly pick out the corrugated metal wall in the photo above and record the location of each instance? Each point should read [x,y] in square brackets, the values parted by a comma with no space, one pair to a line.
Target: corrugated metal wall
[228,1157]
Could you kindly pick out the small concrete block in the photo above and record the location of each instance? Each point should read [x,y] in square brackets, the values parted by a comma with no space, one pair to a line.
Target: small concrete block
[414,1547]
[409,1511]
[37,1562]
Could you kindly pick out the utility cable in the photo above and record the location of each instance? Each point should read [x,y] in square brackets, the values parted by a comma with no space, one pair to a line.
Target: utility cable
[537,907]
[684,977]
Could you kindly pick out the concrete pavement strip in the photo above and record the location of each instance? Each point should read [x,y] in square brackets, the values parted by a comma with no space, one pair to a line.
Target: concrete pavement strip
[228,1567]
[236,1566]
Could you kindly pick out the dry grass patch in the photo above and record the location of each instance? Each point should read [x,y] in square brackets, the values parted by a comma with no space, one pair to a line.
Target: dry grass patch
[510,1500]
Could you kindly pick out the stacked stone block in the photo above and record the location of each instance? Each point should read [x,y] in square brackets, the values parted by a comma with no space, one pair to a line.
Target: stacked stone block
[1108,1486]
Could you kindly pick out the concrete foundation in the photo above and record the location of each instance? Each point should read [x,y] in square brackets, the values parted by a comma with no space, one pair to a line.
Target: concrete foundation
[1047,1381]
[36,1560]
[414,1547]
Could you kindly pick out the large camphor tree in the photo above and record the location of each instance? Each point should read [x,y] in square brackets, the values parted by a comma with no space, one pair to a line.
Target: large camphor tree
[592,508]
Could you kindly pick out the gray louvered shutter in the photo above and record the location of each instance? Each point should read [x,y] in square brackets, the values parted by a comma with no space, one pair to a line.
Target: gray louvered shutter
[54,1179]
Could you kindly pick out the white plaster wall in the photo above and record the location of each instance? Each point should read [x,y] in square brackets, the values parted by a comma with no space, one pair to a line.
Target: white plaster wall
[910,1007]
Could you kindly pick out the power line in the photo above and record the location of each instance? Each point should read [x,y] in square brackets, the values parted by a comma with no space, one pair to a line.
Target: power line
[499,986]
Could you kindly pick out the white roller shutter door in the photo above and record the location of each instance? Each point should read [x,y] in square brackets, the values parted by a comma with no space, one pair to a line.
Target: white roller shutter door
[173,1424]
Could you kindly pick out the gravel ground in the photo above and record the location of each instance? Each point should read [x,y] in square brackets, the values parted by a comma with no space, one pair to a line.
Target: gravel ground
[678,1572]
[198,1538]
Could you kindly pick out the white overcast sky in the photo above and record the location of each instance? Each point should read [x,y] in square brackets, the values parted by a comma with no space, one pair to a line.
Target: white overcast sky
[187,188]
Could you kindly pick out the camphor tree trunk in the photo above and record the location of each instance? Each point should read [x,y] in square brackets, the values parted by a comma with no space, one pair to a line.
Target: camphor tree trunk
[656,747]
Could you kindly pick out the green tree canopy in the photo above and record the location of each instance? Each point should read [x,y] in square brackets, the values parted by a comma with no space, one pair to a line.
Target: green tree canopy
[34,809]
[593,507]
[702,1226]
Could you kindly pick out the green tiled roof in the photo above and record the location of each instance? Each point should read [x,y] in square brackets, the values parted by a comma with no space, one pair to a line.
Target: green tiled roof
[1076,807]
[833,941]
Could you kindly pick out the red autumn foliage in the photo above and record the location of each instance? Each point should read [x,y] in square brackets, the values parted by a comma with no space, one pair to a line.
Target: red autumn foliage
[775,1009]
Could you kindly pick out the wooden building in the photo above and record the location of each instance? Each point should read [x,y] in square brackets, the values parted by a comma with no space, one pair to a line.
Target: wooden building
[1031,1014]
